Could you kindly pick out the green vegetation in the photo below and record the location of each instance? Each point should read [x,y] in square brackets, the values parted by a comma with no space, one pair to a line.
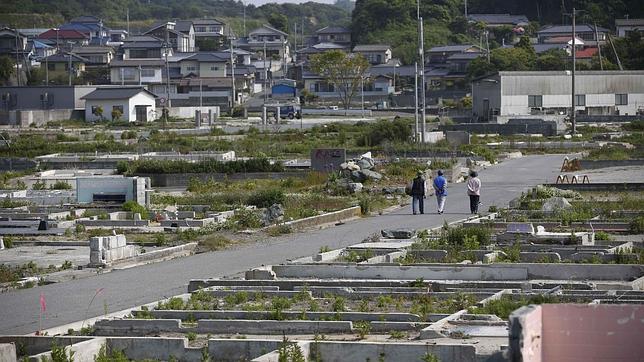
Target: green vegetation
[345,72]
[505,305]
[110,356]
[362,327]
[290,352]
[206,166]
[134,207]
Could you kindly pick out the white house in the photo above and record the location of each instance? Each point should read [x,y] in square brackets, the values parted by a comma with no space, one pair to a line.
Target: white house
[516,94]
[136,104]
[375,53]
[625,26]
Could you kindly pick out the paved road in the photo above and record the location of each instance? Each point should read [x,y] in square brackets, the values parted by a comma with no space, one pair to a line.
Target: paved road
[67,302]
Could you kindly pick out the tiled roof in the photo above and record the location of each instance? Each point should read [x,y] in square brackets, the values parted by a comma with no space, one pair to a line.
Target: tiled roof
[62,34]
[580,28]
[499,18]
[451,48]
[116,93]
[371,48]
[333,30]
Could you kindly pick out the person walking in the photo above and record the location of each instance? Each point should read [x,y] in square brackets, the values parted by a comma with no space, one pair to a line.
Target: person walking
[418,193]
[440,186]
[474,192]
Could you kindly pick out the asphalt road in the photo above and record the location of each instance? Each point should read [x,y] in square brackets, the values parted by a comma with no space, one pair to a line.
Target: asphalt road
[68,301]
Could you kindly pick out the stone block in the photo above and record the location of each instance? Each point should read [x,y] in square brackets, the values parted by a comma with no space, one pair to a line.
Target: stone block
[536,257]
[520,228]
[96,257]
[263,273]
[397,233]
[8,352]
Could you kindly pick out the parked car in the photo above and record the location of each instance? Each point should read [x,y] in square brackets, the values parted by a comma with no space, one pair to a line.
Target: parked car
[290,112]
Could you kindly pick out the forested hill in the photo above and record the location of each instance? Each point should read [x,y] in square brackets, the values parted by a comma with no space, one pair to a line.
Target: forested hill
[114,11]
[394,21]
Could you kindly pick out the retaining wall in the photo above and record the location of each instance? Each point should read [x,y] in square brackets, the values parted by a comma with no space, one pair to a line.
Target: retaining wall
[326,218]
[601,186]
[594,164]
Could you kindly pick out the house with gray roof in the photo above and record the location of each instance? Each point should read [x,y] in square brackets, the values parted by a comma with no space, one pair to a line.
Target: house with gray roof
[625,26]
[334,34]
[584,32]
[180,33]
[132,104]
[375,53]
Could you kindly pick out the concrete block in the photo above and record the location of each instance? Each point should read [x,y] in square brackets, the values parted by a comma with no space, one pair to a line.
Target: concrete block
[329,255]
[397,233]
[536,257]
[8,352]
[135,327]
[265,273]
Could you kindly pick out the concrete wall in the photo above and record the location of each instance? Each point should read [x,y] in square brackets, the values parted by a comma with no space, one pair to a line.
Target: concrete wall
[16,164]
[87,187]
[394,352]
[189,112]
[25,118]
[329,217]
[595,164]
[29,98]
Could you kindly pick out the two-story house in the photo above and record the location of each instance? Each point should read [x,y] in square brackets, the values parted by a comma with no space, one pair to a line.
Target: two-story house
[12,42]
[334,34]
[625,26]
[587,33]
[95,54]
[179,33]
[209,34]
[275,41]
[303,55]
[58,65]
[375,53]
[143,61]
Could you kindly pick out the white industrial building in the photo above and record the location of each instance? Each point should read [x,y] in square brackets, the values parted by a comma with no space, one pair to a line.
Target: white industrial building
[116,189]
[134,104]
[505,95]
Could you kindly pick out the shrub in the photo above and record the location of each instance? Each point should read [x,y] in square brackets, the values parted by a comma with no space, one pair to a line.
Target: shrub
[39,185]
[8,242]
[206,166]
[363,328]
[266,198]
[134,207]
[60,185]
[602,235]
[398,130]
[637,225]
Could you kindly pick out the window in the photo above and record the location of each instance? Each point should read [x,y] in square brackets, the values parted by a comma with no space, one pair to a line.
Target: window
[535,101]
[51,66]
[117,108]
[94,109]
[580,100]
[129,74]
[191,68]
[621,99]
[148,73]
[214,68]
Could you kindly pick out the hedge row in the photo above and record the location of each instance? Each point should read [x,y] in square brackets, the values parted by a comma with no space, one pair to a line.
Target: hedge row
[206,166]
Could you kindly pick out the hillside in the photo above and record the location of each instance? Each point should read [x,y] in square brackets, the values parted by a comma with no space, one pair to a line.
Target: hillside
[20,12]
[394,21]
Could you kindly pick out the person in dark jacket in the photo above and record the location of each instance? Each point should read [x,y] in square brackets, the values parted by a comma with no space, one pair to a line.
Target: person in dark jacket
[418,193]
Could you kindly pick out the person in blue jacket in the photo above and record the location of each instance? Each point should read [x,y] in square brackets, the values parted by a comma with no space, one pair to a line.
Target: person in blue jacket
[440,186]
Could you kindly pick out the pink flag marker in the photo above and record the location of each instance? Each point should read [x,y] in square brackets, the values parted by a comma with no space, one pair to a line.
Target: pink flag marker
[43,303]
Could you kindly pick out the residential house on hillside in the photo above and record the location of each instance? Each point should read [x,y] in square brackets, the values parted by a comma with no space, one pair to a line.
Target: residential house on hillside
[38,50]
[201,65]
[179,33]
[209,34]
[96,55]
[625,26]
[117,37]
[583,31]
[303,55]
[499,20]
[63,38]
[375,53]
[275,41]
[32,33]
[134,104]
[375,85]
[12,42]
[437,56]
[137,71]
[334,34]
[144,47]
[91,26]
[58,65]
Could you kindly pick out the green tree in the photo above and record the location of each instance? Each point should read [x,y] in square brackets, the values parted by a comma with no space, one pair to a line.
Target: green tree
[344,71]
[278,21]
[553,59]
[7,67]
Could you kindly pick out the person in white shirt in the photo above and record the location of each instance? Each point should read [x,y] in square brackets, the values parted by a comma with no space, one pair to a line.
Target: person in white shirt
[474,191]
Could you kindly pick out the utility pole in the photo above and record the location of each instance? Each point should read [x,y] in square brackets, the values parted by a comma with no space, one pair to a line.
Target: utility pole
[466,10]
[17,59]
[599,48]
[487,45]
[47,70]
[232,71]
[574,66]
[362,94]
[244,7]
[416,102]
[265,75]
[422,82]
[140,75]
[127,20]
[69,67]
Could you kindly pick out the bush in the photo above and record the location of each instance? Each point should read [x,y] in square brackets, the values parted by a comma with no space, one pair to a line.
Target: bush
[39,185]
[637,225]
[60,185]
[266,198]
[206,166]
[134,207]
[398,130]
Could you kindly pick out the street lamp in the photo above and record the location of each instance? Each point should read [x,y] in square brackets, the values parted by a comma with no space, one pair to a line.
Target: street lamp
[56,29]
